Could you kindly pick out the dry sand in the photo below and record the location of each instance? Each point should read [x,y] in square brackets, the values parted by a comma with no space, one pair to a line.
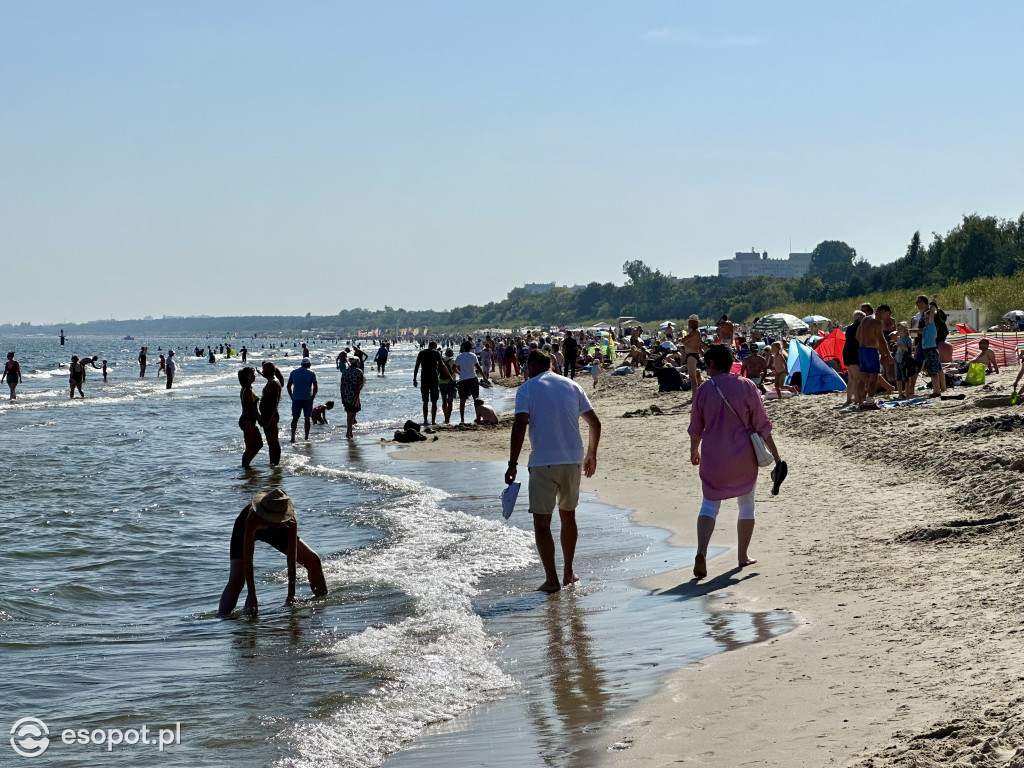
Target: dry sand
[894,542]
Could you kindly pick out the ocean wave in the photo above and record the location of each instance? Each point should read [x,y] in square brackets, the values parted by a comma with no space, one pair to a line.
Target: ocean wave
[436,663]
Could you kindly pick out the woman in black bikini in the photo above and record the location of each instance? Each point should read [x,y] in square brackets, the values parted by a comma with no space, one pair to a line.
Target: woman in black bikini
[250,416]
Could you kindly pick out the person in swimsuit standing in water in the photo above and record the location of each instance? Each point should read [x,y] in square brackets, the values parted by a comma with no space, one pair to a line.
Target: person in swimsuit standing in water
[250,416]
[77,376]
[268,409]
[12,372]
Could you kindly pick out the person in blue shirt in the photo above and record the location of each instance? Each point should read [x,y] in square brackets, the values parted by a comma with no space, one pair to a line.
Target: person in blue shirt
[302,389]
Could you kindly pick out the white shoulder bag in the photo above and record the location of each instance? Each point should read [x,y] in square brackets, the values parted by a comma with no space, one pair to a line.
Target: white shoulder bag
[764,456]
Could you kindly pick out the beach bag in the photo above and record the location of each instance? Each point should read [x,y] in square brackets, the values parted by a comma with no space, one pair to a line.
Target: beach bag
[975,375]
[761,452]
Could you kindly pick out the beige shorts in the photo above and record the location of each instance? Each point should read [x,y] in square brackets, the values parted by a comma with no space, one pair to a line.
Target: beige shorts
[554,483]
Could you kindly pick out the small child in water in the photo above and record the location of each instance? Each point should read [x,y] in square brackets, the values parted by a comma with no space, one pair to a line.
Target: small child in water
[320,412]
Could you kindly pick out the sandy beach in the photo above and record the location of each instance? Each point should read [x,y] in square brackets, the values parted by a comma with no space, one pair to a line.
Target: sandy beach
[894,542]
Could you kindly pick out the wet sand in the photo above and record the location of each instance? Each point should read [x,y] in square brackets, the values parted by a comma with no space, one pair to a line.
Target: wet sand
[895,541]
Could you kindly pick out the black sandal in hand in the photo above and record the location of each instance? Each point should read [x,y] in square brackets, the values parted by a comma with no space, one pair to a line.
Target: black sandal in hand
[778,475]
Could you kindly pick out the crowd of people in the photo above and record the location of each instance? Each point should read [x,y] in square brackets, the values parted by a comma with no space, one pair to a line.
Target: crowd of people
[731,369]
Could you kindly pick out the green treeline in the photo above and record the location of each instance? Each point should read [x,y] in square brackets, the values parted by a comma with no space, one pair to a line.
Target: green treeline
[977,248]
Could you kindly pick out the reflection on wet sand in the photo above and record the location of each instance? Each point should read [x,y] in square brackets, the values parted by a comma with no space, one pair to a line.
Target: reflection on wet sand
[577,695]
[723,629]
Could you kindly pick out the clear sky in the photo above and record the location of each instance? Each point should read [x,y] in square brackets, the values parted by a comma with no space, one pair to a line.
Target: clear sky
[281,158]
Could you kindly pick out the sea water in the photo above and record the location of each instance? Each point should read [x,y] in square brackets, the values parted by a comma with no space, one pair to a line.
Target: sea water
[430,647]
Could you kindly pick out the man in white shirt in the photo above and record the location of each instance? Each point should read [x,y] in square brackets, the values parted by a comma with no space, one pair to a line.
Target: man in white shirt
[468,366]
[551,406]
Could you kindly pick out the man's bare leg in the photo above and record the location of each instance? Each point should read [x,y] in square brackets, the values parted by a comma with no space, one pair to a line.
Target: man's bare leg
[568,538]
[546,550]
[705,527]
[307,429]
[744,532]
[433,413]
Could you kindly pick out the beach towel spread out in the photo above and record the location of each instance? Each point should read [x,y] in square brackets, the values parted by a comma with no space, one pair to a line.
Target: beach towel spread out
[903,403]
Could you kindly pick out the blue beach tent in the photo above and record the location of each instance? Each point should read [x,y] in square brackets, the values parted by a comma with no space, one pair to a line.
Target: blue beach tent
[815,374]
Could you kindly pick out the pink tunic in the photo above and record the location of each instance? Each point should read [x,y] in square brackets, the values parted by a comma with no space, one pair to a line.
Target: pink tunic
[728,467]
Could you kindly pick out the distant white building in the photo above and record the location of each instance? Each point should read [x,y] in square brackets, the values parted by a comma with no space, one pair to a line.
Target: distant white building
[754,264]
[537,288]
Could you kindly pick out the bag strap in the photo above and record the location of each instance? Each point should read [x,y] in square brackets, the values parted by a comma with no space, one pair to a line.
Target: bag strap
[729,405]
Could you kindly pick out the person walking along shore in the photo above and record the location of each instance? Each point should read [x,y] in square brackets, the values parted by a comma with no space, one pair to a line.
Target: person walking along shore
[550,406]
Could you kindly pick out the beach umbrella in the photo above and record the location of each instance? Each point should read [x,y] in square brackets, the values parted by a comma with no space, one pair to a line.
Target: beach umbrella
[780,322]
[1015,314]
[815,319]
[668,346]
[665,325]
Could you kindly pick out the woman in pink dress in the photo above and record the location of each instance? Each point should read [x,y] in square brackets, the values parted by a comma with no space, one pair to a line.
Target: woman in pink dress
[728,465]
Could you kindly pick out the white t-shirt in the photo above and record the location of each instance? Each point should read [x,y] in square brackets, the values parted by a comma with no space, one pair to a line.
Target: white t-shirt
[467,365]
[554,404]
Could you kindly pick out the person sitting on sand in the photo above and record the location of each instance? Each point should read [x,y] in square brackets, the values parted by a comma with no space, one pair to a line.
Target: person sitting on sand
[986,356]
[484,413]
[269,517]
[320,412]
[637,357]
[725,411]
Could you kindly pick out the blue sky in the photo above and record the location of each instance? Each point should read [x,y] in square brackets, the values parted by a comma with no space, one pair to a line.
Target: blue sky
[283,158]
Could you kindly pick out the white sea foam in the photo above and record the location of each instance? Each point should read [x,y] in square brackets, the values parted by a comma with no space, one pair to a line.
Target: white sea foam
[436,663]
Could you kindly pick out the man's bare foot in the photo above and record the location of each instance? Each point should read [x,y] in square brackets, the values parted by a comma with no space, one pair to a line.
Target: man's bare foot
[700,567]
[549,587]
[572,578]
[748,561]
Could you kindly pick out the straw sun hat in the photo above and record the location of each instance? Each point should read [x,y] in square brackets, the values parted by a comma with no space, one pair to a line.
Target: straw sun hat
[274,506]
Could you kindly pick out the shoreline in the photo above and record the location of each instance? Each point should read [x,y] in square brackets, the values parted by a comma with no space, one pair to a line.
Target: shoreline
[875,658]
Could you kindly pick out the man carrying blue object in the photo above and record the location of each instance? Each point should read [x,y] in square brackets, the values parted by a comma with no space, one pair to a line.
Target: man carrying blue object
[302,389]
[551,406]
